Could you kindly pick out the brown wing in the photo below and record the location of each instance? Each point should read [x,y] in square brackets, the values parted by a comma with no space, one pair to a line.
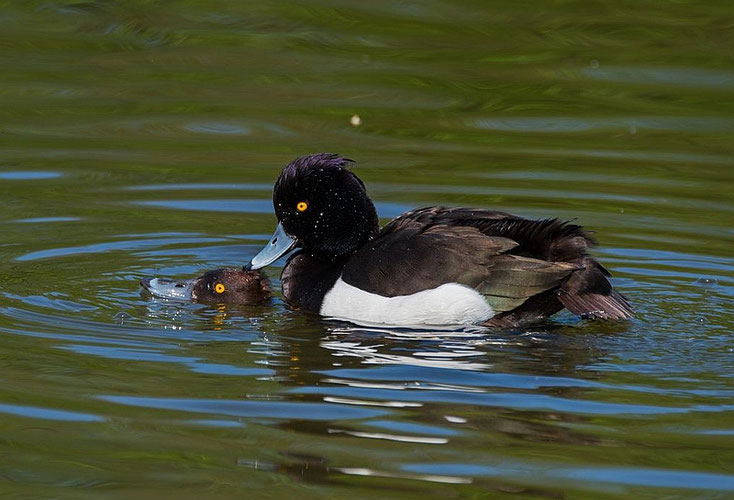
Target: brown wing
[553,249]
[420,256]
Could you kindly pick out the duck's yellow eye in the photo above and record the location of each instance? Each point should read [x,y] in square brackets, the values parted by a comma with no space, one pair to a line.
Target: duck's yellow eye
[302,206]
[219,288]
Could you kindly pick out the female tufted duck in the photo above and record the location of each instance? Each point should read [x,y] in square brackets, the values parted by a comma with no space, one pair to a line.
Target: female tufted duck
[221,286]
[429,266]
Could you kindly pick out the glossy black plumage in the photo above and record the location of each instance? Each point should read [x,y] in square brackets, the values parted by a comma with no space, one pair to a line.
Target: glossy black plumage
[340,216]
[526,269]
[307,278]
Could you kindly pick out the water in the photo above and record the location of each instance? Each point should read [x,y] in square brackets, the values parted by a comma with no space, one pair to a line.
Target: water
[143,139]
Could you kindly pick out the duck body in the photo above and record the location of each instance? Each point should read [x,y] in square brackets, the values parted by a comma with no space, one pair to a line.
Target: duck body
[429,266]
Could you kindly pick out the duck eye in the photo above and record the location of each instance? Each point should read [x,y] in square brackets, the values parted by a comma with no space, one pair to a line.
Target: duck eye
[219,288]
[302,206]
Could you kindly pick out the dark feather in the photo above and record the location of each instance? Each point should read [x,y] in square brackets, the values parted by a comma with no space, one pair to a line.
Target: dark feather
[420,257]
[507,258]
[588,293]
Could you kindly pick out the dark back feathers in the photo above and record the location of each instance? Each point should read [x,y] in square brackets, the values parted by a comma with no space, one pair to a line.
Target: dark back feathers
[581,283]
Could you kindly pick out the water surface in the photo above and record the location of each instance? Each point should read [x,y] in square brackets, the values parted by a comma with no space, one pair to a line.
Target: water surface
[143,139]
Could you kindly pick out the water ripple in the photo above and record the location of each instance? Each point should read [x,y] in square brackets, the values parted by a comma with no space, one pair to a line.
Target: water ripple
[562,124]
[596,476]
[250,409]
[520,401]
[685,77]
[48,413]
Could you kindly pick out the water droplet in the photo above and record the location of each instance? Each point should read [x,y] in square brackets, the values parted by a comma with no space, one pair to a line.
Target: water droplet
[706,281]
[120,318]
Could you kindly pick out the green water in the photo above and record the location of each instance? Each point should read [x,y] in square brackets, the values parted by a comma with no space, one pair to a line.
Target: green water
[142,139]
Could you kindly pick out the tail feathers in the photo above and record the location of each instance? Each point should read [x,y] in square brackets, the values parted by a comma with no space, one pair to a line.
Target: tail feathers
[589,293]
[598,306]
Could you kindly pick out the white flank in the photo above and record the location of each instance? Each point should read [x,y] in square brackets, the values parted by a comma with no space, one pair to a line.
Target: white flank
[448,304]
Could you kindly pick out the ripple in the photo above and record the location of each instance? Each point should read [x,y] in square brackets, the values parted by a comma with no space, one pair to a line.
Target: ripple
[414,428]
[541,473]
[391,437]
[640,153]
[216,423]
[279,410]
[427,393]
[48,413]
[371,355]
[43,220]
[123,245]
[219,128]
[238,128]
[153,126]
[563,124]
[630,155]
[155,355]
[433,478]
[591,193]
[241,186]
[683,77]
[55,303]
[219,205]
[66,328]
[28,175]
[458,377]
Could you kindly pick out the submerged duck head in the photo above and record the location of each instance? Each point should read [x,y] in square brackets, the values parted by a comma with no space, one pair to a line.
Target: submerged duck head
[220,286]
[322,207]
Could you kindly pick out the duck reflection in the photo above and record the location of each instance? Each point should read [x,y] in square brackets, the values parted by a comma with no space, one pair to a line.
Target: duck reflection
[441,389]
[440,385]
[317,346]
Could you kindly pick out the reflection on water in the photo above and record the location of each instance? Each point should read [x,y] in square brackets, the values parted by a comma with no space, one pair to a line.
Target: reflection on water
[27,175]
[632,125]
[498,407]
[688,77]
[142,139]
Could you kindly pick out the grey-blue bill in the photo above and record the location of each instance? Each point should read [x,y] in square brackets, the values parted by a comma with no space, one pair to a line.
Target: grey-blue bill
[280,243]
[169,289]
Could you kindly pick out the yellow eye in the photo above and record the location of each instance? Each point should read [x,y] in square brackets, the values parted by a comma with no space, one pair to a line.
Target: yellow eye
[302,206]
[219,288]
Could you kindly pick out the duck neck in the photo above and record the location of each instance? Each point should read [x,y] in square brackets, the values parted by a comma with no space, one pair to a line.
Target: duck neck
[343,236]
[306,279]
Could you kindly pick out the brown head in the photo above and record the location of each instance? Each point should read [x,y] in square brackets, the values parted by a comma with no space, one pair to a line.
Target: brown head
[221,286]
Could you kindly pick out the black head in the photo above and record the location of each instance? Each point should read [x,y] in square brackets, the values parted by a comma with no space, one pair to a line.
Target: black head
[324,206]
[230,286]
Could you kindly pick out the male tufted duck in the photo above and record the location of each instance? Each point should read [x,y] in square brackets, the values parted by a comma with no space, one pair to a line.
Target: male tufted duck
[221,286]
[429,266]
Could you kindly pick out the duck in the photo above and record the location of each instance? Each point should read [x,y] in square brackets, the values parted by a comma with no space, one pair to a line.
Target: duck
[431,266]
[220,286]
